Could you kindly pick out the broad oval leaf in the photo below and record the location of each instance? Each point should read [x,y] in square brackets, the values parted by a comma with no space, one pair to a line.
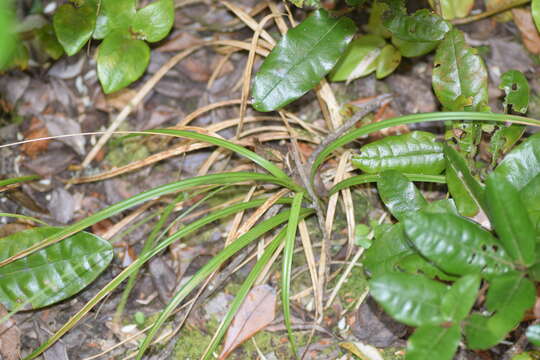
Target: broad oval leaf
[459,300]
[388,61]
[155,20]
[521,165]
[452,9]
[411,49]
[433,342]
[459,75]
[422,26]
[456,245]
[74,25]
[535,9]
[399,194]
[516,88]
[121,60]
[360,58]
[414,300]
[53,273]
[300,60]
[415,152]
[510,219]
[114,15]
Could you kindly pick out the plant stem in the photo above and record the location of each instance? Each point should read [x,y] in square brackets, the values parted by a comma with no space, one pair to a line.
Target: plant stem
[491,12]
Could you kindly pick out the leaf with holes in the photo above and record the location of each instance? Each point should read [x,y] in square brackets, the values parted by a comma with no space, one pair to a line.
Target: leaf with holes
[456,245]
[510,219]
[415,153]
[399,193]
[521,165]
[414,300]
[360,58]
[422,26]
[516,88]
[459,75]
[433,342]
[155,20]
[301,59]
[74,25]
[53,273]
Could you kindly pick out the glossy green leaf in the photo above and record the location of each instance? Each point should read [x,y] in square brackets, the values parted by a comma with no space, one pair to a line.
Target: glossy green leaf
[459,75]
[510,219]
[467,192]
[369,178]
[433,342]
[7,36]
[456,245]
[74,25]
[508,297]
[48,42]
[414,300]
[535,9]
[51,274]
[411,49]
[459,300]
[530,197]
[521,165]
[415,152]
[114,15]
[155,20]
[516,88]
[360,58]
[301,59]
[422,26]
[121,60]
[452,9]
[399,194]
[388,61]
[533,334]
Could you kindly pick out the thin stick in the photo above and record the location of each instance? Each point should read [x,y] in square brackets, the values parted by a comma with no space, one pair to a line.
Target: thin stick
[485,14]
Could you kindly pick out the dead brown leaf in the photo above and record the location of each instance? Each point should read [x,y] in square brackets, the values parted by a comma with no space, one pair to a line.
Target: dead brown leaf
[36,130]
[10,337]
[257,311]
[529,33]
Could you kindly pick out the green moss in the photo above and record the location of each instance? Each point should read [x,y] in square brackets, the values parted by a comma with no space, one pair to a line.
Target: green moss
[193,341]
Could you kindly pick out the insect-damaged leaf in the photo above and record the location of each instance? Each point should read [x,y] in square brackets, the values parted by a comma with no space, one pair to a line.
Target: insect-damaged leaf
[459,75]
[53,273]
[301,59]
[516,88]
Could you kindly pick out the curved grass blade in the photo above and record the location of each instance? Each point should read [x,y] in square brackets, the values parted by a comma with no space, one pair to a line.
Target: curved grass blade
[113,284]
[213,179]
[17,180]
[370,178]
[417,118]
[288,252]
[243,291]
[211,266]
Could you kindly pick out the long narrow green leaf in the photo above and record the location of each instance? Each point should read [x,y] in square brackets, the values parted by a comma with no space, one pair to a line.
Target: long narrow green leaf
[370,178]
[16,180]
[240,150]
[288,252]
[113,284]
[211,266]
[213,179]
[417,118]
[243,291]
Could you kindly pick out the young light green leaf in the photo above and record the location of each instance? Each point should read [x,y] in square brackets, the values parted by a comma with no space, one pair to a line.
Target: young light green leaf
[510,219]
[388,61]
[516,88]
[530,196]
[422,26]
[509,296]
[411,49]
[360,58]
[121,60]
[155,20]
[301,59]
[414,300]
[74,25]
[114,15]
[415,152]
[399,194]
[464,188]
[533,334]
[433,342]
[452,9]
[522,164]
[7,35]
[459,75]
[456,245]
[459,300]
[51,274]
[535,9]
[375,25]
